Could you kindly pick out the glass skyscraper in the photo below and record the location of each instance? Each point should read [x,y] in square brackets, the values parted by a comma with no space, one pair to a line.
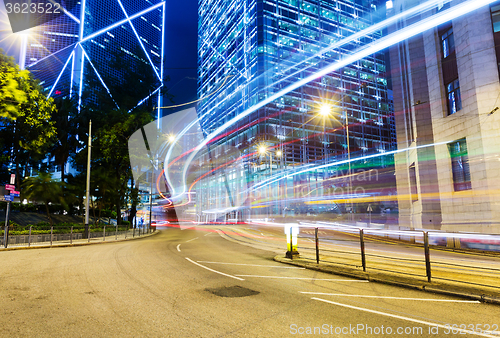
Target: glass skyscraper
[63,51]
[251,49]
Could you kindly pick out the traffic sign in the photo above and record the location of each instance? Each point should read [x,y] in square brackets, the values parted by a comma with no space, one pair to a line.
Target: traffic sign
[13,192]
[9,198]
[10,187]
[369,208]
[12,178]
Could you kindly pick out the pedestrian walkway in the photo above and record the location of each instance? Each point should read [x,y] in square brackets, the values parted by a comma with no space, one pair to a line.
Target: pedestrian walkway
[61,240]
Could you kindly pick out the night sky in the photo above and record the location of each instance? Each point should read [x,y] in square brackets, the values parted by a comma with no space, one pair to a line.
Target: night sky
[181,50]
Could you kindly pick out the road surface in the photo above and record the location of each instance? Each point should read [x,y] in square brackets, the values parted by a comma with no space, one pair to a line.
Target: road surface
[194,283]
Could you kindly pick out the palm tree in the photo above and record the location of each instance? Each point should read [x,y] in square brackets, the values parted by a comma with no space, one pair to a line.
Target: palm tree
[43,188]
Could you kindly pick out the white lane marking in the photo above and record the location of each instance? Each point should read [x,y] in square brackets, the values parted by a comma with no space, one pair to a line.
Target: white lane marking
[208,233]
[179,247]
[308,278]
[404,318]
[266,266]
[220,273]
[192,239]
[387,297]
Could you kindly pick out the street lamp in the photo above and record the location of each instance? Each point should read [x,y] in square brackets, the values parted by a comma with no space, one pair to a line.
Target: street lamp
[324,111]
[262,149]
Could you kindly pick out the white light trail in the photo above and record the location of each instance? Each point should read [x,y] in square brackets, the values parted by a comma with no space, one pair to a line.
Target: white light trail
[403,34]
[370,30]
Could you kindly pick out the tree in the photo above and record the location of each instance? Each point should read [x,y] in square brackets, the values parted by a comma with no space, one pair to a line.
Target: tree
[11,95]
[66,121]
[25,112]
[43,188]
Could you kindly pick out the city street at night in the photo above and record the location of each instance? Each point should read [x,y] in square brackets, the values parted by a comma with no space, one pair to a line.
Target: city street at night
[193,283]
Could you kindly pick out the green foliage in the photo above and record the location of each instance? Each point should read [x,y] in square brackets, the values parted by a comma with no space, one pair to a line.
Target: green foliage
[11,95]
[45,189]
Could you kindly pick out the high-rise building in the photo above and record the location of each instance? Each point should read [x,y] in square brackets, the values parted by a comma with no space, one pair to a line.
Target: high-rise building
[446,97]
[249,50]
[62,52]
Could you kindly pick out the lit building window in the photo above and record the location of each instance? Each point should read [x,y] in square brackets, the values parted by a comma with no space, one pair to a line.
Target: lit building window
[460,165]
[453,97]
[448,43]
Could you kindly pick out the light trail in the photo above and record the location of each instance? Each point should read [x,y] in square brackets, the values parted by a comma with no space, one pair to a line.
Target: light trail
[403,34]
[352,38]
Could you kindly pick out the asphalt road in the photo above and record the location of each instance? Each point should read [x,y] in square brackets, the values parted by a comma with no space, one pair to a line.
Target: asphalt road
[194,283]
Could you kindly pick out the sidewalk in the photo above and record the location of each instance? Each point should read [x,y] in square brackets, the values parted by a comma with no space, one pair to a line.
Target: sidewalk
[473,275]
[79,242]
[444,284]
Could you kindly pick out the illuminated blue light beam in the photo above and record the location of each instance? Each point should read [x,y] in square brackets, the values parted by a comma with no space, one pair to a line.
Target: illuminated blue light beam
[144,99]
[74,18]
[161,67]
[139,39]
[119,23]
[383,43]
[60,74]
[73,45]
[100,78]
[376,27]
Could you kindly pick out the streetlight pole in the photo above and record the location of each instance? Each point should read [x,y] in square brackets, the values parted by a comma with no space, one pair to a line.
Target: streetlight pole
[348,161]
[87,198]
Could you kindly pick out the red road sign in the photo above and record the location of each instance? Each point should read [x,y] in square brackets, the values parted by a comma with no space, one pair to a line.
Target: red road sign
[10,187]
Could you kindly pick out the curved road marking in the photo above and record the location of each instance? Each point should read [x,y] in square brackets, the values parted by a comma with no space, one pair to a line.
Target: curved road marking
[309,278]
[266,266]
[405,318]
[179,247]
[387,297]
[220,273]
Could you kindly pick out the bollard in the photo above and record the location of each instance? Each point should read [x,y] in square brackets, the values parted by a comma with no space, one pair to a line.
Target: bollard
[116,232]
[362,243]
[29,238]
[317,245]
[427,256]
[51,231]
[71,236]
[291,243]
[104,234]
[89,235]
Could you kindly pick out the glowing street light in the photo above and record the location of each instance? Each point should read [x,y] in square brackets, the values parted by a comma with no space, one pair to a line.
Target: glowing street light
[325,110]
[171,138]
[262,150]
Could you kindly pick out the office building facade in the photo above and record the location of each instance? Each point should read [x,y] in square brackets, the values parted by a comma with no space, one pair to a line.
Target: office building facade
[249,50]
[446,100]
[63,52]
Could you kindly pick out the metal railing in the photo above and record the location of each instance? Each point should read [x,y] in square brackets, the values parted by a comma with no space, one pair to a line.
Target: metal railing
[70,236]
[370,249]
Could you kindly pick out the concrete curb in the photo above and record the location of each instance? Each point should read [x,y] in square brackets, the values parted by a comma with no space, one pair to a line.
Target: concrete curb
[469,292]
[76,244]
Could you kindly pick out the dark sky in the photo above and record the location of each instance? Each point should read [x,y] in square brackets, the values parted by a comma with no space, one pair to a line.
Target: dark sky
[181,50]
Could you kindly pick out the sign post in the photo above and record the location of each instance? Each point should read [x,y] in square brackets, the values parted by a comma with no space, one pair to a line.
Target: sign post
[12,179]
[8,198]
[370,214]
